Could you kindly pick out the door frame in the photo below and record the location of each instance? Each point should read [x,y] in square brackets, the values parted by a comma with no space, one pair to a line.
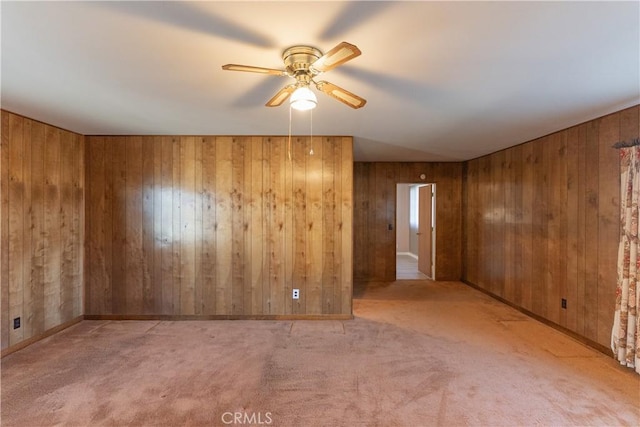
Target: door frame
[434,204]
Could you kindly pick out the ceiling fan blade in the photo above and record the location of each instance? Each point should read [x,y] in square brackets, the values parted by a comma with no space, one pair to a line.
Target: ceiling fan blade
[250,69]
[342,95]
[340,54]
[281,96]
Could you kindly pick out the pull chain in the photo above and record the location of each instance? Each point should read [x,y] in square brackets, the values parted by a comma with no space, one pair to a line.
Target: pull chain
[311,131]
[289,146]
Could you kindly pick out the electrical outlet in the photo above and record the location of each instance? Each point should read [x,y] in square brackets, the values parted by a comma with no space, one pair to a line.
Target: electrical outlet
[564,303]
[16,323]
[296,294]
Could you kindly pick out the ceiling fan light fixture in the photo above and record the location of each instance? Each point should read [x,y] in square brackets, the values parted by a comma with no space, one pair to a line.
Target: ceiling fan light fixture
[303,63]
[303,99]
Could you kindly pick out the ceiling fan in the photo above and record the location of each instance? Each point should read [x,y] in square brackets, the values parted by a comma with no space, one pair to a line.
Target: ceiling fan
[304,63]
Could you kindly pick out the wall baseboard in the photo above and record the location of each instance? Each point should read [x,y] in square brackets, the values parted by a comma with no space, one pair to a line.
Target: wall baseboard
[170,317]
[412,255]
[12,349]
[586,341]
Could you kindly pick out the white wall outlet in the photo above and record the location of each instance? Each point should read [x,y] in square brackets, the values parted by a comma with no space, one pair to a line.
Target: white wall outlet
[296,294]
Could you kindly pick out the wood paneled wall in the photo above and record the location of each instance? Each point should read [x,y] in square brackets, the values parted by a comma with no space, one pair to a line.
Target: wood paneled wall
[375,209]
[218,226]
[41,227]
[541,223]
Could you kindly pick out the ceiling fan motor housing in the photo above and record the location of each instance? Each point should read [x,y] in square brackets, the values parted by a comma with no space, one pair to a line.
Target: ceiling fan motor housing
[298,60]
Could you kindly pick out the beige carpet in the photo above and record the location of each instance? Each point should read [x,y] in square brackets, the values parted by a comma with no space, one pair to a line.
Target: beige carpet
[417,354]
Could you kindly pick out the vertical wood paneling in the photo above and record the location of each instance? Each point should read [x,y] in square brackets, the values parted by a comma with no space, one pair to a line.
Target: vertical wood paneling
[16,227]
[526,234]
[198,291]
[256,236]
[381,226]
[237,224]
[374,210]
[187,225]
[573,194]
[219,225]
[517,218]
[557,229]
[373,219]
[176,226]
[134,262]
[329,208]
[383,262]
[497,222]
[582,231]
[247,230]
[591,230]
[299,229]
[224,217]
[290,242]
[41,250]
[346,226]
[510,207]
[539,228]
[96,282]
[67,148]
[629,123]
[520,261]
[448,217]
[107,224]
[571,199]
[314,227]
[36,281]
[52,235]
[340,148]
[471,217]
[267,195]
[484,238]
[119,224]
[147,226]
[244,218]
[562,191]
[364,213]
[278,162]
[27,241]
[209,192]
[167,235]
[608,223]
[78,224]
[4,227]
[158,239]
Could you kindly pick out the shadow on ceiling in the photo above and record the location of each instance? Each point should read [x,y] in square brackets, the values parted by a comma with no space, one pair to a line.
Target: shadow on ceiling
[418,93]
[190,17]
[352,15]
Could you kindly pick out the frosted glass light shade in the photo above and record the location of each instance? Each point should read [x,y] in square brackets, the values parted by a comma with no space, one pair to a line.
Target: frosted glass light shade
[303,99]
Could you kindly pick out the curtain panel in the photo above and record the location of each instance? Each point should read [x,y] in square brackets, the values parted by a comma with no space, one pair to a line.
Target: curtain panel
[626,328]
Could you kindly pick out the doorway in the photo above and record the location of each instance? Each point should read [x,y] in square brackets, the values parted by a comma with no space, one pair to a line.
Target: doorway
[415,231]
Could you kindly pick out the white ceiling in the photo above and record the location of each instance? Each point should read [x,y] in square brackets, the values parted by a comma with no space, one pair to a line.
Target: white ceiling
[444,80]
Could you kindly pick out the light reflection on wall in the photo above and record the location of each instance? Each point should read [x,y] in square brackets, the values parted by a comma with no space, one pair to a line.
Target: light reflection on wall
[177,208]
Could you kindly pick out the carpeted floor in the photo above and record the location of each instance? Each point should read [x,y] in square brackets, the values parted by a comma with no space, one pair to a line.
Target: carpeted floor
[407,268]
[417,354]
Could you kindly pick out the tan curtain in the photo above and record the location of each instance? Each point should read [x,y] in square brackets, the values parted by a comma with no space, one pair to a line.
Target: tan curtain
[626,328]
